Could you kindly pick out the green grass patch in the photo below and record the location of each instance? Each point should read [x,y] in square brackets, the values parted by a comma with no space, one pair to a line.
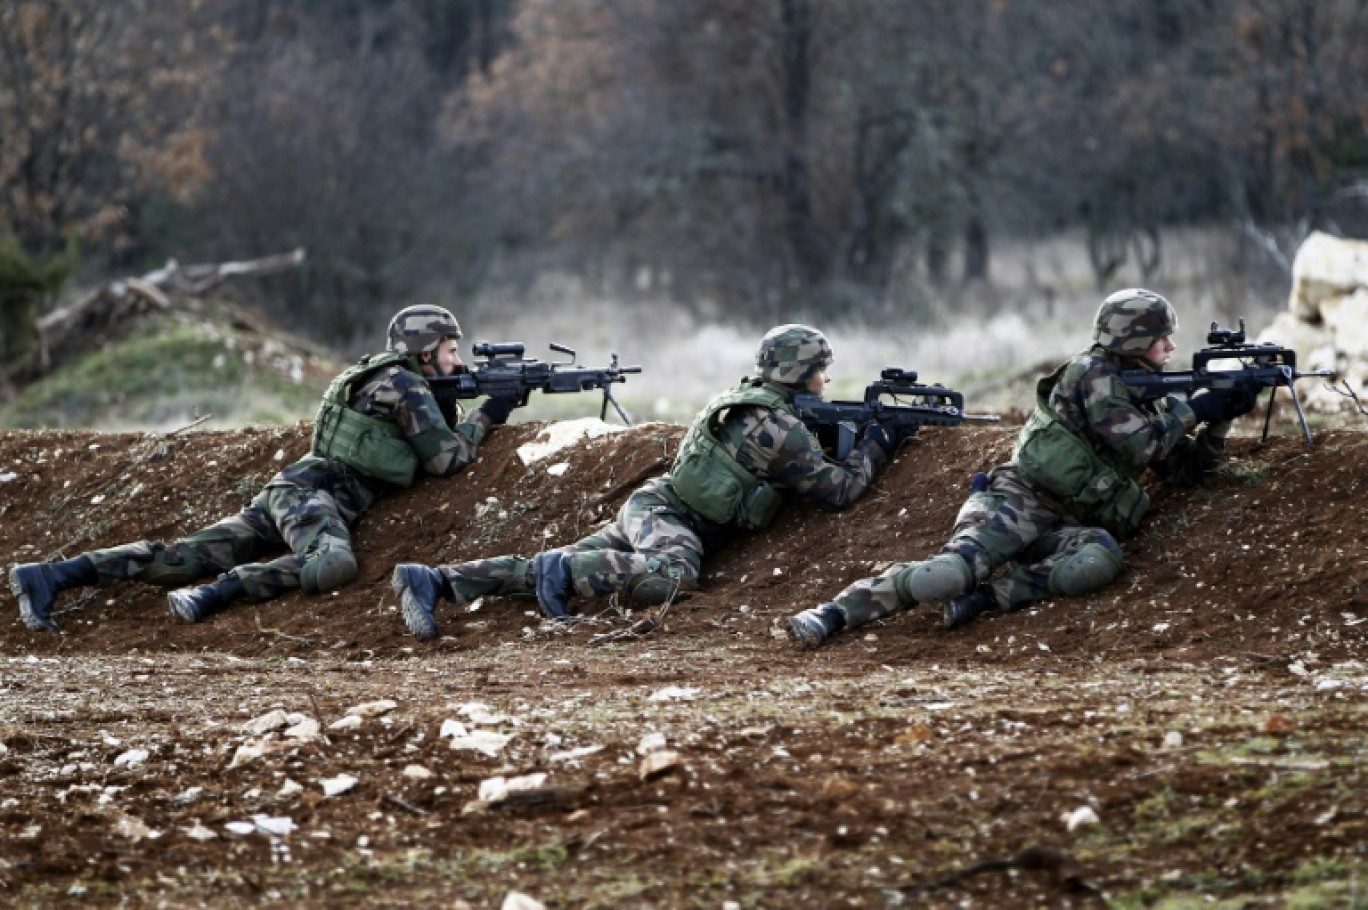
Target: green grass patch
[169,373]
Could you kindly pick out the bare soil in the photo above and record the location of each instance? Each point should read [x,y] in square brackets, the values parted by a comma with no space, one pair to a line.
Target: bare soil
[1193,735]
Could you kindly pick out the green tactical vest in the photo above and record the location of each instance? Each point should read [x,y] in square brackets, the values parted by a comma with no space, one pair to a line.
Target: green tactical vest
[1056,459]
[372,446]
[711,481]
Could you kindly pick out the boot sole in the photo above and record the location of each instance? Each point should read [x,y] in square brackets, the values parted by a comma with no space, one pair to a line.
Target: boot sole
[27,614]
[805,636]
[418,620]
[180,610]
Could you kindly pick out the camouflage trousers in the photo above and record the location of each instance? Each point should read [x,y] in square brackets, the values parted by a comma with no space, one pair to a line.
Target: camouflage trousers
[1009,521]
[655,542]
[308,508]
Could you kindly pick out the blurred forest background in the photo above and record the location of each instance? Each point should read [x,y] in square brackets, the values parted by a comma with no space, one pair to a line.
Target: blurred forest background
[932,179]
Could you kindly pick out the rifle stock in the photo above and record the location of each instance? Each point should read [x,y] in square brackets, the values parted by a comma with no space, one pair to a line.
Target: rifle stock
[1260,366]
[910,406]
[506,373]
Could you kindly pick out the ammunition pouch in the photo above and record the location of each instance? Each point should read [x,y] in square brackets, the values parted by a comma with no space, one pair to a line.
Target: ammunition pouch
[371,446]
[710,481]
[1054,458]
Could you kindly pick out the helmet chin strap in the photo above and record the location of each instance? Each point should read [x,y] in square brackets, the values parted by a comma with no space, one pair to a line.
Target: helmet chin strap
[1148,364]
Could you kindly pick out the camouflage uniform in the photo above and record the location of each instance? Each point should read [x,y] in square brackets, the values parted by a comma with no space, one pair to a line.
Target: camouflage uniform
[655,547]
[659,542]
[1054,548]
[308,507]
[377,426]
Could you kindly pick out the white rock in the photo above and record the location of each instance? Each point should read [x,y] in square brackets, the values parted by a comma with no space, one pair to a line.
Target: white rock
[272,720]
[7,476]
[674,693]
[199,832]
[306,729]
[417,772]
[452,728]
[350,722]
[557,470]
[496,789]
[134,828]
[1173,740]
[651,742]
[658,763]
[1083,815]
[245,753]
[132,758]
[289,788]
[372,708]
[516,900]
[332,786]
[571,754]
[279,826]
[562,434]
[243,828]
[1326,266]
[477,712]
[489,743]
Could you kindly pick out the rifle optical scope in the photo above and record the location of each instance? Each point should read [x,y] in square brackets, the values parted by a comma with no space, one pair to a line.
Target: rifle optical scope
[1220,336]
[898,374]
[497,349]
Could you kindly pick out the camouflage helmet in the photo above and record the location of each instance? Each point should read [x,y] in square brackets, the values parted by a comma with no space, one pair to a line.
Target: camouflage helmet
[419,329]
[1129,321]
[792,354]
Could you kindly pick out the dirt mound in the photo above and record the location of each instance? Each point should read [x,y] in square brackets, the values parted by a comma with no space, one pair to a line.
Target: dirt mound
[1265,558]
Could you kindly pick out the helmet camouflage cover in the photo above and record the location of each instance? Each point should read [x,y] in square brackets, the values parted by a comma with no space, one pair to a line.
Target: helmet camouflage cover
[792,354]
[1129,321]
[419,329]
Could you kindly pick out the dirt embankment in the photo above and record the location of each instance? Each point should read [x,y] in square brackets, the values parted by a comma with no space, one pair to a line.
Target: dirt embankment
[1266,557]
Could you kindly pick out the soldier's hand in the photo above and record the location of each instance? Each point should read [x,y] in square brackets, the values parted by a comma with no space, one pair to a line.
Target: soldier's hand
[1242,400]
[497,410]
[1212,406]
[882,438]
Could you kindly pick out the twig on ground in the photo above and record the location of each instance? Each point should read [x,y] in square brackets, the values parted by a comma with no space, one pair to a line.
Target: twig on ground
[303,640]
[403,804]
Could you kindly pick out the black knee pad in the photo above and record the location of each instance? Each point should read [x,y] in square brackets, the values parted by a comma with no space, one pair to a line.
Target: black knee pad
[328,571]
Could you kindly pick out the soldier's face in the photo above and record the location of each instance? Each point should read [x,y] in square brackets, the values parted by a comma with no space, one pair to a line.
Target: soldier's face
[444,360]
[1160,352]
[818,383]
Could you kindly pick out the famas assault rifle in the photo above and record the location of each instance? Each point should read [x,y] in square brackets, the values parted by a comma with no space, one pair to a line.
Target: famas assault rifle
[1255,367]
[910,406]
[505,373]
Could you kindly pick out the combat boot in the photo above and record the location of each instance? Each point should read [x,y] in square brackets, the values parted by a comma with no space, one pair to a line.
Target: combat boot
[36,586]
[811,628]
[554,589]
[419,588]
[965,608]
[195,603]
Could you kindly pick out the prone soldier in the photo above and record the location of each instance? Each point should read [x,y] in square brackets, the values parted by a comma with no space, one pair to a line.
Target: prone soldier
[377,427]
[1071,491]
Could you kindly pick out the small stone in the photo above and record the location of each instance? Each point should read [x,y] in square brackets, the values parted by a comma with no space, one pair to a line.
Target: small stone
[333,786]
[658,764]
[372,708]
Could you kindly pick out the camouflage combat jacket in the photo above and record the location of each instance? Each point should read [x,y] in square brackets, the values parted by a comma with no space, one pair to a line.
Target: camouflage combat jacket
[747,448]
[1088,441]
[392,425]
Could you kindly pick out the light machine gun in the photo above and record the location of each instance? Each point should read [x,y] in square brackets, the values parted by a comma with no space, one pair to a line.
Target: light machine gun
[505,373]
[1257,367]
[910,405]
